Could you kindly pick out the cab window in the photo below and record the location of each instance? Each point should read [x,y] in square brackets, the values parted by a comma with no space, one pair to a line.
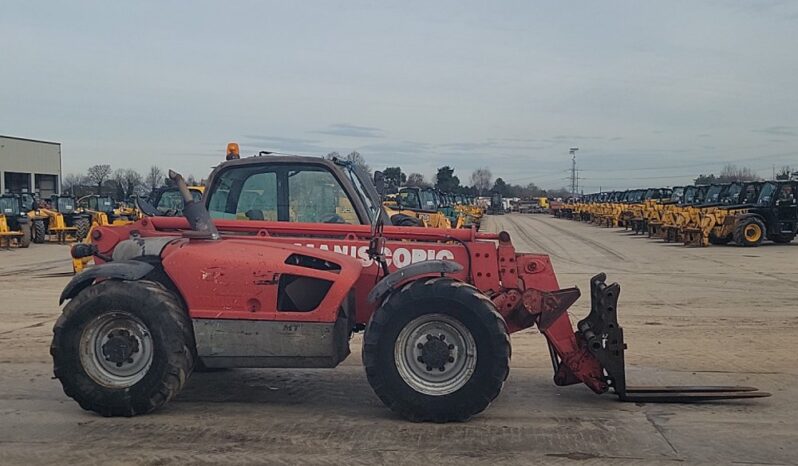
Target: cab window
[428,200]
[315,196]
[786,194]
[766,194]
[305,194]
[410,199]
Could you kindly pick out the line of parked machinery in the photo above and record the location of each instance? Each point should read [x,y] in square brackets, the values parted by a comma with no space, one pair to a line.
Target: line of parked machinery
[429,207]
[26,219]
[745,213]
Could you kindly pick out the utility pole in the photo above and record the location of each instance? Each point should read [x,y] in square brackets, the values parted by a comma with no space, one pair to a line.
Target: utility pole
[574,182]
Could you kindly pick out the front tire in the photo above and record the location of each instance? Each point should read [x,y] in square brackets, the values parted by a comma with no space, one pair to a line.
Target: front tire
[123,348]
[82,227]
[24,240]
[39,231]
[749,232]
[437,350]
[719,240]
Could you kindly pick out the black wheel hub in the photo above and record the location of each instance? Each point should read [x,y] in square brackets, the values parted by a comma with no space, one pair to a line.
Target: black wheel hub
[119,348]
[435,353]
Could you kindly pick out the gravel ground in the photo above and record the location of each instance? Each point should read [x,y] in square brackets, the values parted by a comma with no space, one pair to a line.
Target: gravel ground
[719,315]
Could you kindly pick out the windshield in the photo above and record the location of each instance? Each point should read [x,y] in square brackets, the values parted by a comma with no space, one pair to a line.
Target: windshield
[105,204]
[733,193]
[690,194]
[65,205]
[28,202]
[410,199]
[9,205]
[714,193]
[428,200]
[766,194]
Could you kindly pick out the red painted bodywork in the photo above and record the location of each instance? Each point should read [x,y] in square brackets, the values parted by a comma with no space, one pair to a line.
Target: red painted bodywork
[235,278]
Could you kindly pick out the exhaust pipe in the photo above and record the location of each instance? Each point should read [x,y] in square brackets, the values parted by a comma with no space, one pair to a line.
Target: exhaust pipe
[195,212]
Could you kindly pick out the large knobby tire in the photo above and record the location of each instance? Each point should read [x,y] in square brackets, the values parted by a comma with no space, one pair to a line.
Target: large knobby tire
[39,231]
[437,351]
[123,348]
[25,239]
[717,240]
[82,226]
[403,220]
[749,232]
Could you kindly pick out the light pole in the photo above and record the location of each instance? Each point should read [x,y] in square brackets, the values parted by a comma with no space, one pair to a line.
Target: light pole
[572,151]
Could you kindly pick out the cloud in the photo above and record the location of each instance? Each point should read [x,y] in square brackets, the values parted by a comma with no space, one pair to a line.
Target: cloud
[777,131]
[353,131]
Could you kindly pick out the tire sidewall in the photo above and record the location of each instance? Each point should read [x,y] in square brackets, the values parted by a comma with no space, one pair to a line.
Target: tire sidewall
[479,390]
[740,237]
[39,231]
[25,240]
[126,297]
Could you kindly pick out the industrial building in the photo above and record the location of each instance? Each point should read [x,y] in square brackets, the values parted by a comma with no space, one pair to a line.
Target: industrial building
[30,165]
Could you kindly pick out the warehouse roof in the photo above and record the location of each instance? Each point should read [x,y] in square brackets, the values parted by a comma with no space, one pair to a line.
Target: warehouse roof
[31,140]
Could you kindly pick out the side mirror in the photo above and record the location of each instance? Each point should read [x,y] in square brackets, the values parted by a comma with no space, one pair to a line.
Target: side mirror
[379,182]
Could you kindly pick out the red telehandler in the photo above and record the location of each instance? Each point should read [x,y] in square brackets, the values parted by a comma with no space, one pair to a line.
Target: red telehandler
[286,258]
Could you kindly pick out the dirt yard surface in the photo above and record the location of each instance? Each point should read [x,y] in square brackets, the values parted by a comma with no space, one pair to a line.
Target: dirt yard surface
[719,315]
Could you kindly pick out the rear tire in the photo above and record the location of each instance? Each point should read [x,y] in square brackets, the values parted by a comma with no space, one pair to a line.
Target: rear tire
[39,231]
[749,232]
[423,376]
[24,240]
[123,348]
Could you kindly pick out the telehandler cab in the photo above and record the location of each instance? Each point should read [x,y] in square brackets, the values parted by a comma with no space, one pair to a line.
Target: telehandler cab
[225,287]
[15,226]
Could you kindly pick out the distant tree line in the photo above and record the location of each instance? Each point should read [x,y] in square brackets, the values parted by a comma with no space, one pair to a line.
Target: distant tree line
[482,183]
[120,184]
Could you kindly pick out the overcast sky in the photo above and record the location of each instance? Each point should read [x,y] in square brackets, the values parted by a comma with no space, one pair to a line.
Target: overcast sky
[651,92]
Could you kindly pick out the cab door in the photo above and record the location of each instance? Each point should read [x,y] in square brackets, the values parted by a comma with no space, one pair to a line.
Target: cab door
[787,208]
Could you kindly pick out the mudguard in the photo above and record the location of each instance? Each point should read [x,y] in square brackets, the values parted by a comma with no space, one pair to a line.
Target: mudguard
[123,270]
[414,270]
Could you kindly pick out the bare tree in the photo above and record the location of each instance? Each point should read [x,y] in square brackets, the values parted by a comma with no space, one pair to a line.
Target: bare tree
[70,182]
[97,174]
[191,181]
[154,178]
[129,181]
[358,160]
[416,180]
[784,173]
[732,173]
[481,179]
[332,155]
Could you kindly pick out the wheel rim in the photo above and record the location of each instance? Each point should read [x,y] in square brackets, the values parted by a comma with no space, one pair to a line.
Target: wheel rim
[435,354]
[116,349]
[753,232]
